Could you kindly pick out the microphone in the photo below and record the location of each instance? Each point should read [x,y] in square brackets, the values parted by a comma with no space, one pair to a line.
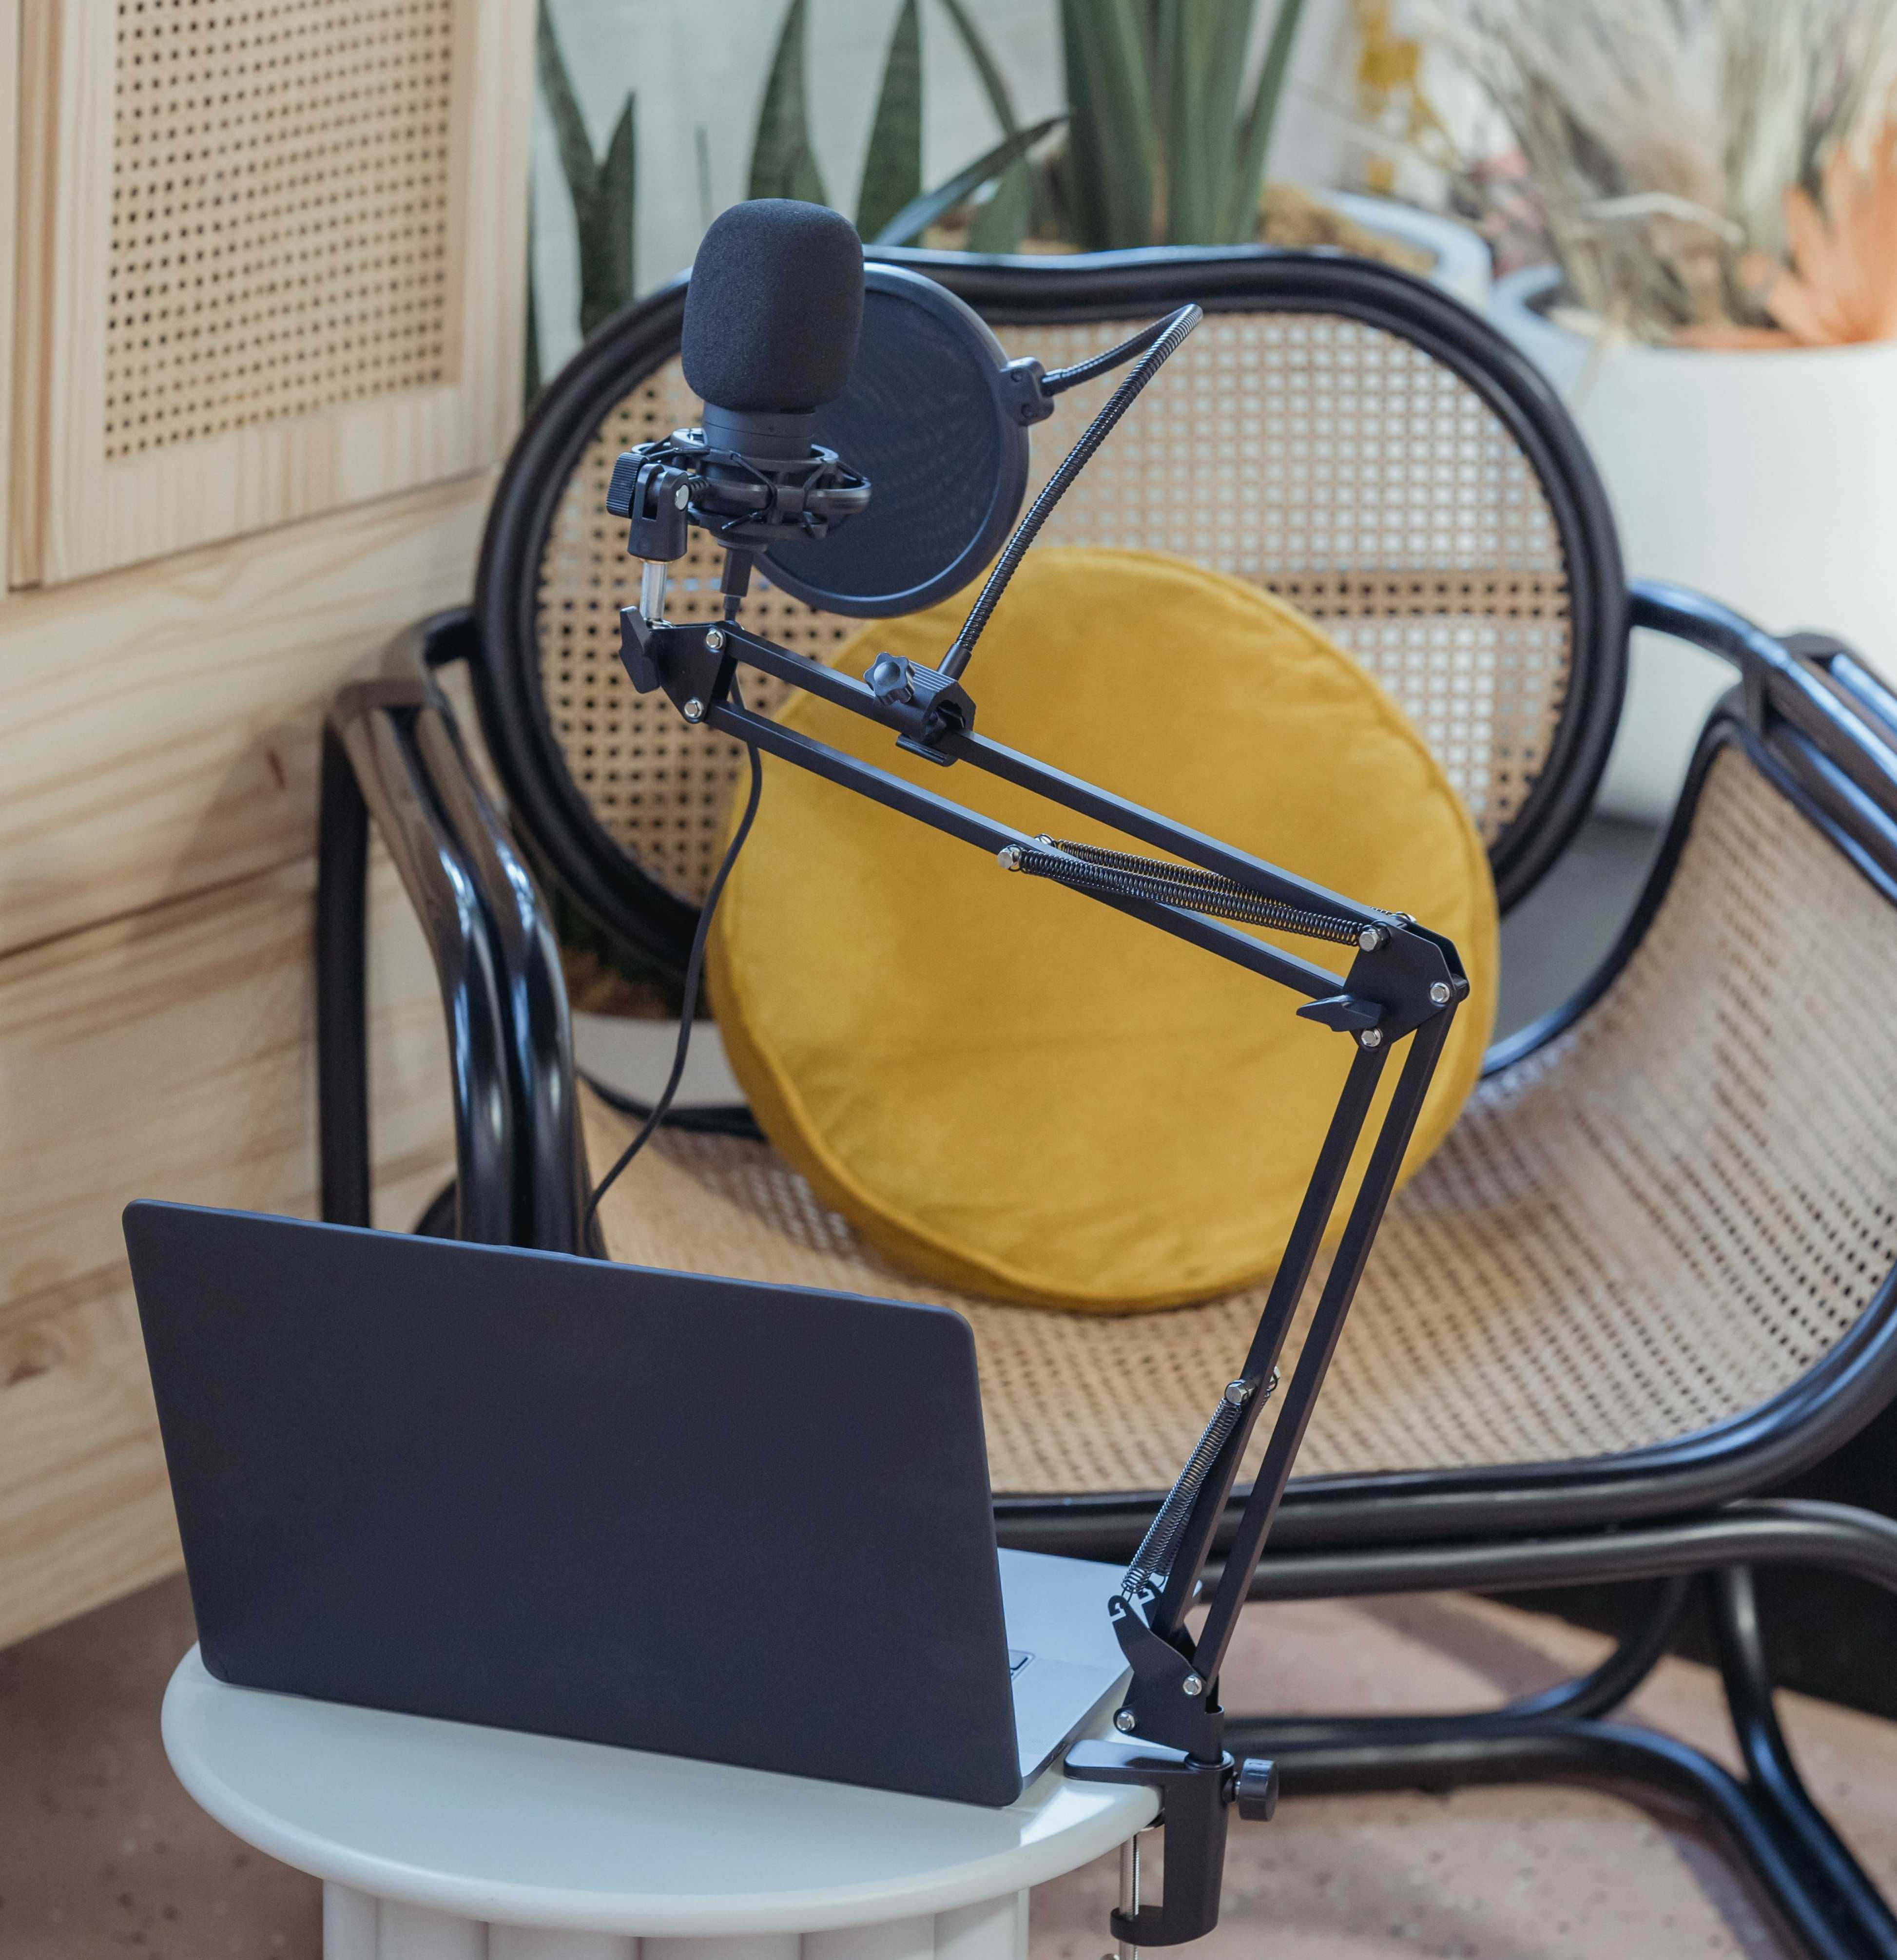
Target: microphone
[772,320]
[773,316]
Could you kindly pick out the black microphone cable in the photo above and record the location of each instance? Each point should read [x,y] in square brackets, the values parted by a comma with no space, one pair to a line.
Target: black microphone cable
[1160,341]
[694,971]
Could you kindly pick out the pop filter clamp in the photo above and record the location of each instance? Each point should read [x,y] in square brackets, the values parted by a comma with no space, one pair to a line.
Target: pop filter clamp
[1403,980]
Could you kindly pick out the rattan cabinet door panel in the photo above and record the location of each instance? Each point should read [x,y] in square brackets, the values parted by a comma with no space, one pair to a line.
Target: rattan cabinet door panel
[273,260]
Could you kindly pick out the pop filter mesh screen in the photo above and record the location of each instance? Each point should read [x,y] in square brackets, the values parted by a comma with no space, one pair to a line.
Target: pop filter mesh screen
[919,420]
[1361,480]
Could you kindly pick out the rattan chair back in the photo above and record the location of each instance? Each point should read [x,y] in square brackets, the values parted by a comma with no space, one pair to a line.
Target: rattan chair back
[1346,437]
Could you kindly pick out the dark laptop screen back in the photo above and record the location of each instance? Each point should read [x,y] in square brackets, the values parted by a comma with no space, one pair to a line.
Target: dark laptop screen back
[692,1515]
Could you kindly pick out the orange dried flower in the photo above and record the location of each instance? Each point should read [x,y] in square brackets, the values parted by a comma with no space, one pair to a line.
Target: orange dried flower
[1841,285]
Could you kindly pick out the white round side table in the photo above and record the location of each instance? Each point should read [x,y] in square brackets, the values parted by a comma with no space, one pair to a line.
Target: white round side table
[438,1841]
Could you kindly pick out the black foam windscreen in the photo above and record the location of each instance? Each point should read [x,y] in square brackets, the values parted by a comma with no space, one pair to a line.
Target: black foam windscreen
[926,419]
[774,307]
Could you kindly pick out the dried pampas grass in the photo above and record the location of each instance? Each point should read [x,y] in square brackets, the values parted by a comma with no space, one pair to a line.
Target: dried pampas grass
[1714,172]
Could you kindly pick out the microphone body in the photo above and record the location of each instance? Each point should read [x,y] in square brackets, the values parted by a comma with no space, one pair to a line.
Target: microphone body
[774,309]
[773,316]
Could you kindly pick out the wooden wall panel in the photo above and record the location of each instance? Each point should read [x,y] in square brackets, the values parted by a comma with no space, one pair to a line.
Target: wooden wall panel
[270,265]
[9,231]
[262,354]
[231,474]
[167,1055]
[158,726]
[85,1512]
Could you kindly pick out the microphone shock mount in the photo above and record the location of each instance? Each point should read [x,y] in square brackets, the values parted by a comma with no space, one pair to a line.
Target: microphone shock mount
[746,478]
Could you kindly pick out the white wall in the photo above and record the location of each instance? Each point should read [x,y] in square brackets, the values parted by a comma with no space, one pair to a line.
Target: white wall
[692,64]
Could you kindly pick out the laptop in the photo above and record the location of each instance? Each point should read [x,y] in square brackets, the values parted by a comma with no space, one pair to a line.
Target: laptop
[750,1524]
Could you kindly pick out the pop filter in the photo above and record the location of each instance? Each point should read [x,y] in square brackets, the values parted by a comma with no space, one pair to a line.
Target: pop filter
[934,417]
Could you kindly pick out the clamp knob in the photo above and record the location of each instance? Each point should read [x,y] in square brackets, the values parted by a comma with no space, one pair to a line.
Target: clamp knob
[1256,1789]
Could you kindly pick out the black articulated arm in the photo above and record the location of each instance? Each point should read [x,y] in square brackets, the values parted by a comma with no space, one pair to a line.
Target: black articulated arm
[1403,981]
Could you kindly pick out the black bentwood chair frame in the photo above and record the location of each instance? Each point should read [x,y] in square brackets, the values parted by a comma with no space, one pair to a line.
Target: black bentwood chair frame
[1809,738]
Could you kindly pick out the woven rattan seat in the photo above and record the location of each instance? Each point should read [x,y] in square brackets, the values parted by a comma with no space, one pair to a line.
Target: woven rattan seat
[1655,1223]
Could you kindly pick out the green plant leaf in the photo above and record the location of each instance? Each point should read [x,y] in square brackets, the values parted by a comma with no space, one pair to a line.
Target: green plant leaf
[530,352]
[996,222]
[602,192]
[893,169]
[606,235]
[807,181]
[1162,38]
[1240,224]
[1110,137]
[1001,224]
[994,83]
[1054,192]
[577,164]
[701,154]
[920,213]
[782,164]
[1199,49]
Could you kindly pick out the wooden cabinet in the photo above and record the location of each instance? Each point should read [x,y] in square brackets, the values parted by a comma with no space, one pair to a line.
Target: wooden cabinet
[262,304]
[158,726]
[271,262]
[9,206]
[158,738]
[165,1055]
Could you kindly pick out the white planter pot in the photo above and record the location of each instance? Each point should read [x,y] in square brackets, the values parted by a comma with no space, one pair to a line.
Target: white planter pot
[1768,480]
[1462,266]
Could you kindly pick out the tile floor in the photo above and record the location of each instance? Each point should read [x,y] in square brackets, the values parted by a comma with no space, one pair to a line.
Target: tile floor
[102,1853]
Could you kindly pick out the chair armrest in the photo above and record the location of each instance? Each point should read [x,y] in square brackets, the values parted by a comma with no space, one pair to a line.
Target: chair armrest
[1814,715]
[1806,685]
[393,753]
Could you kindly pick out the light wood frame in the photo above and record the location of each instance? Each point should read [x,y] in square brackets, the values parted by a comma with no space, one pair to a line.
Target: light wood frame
[78,511]
[159,725]
[9,233]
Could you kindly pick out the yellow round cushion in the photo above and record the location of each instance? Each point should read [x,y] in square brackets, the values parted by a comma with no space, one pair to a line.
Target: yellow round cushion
[1012,1090]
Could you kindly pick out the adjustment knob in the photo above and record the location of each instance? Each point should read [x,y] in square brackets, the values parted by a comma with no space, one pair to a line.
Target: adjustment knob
[1257,1789]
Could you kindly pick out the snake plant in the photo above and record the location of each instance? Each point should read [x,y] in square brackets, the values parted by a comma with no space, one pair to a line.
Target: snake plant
[892,206]
[1163,147]
[1163,144]
[604,189]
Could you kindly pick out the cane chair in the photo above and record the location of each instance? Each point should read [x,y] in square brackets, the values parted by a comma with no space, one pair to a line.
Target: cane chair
[1648,1276]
